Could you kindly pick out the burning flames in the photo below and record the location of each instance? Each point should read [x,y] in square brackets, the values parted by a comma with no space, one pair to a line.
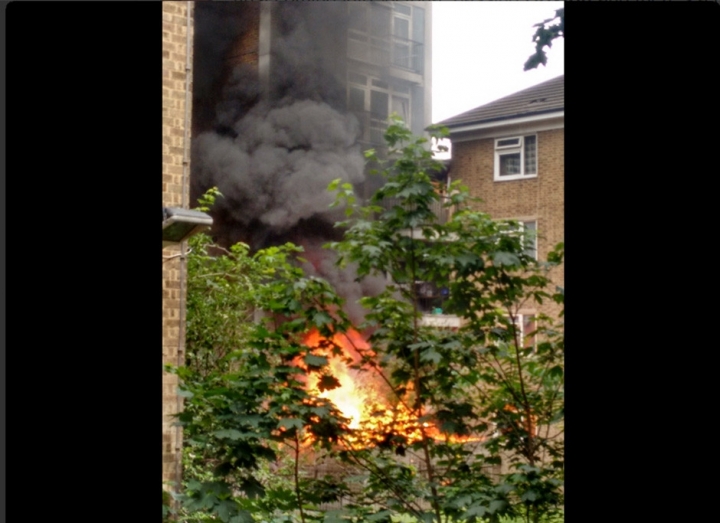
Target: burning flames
[352,396]
[364,398]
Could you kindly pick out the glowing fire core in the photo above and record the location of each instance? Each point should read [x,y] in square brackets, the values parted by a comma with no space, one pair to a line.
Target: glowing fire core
[360,396]
[351,397]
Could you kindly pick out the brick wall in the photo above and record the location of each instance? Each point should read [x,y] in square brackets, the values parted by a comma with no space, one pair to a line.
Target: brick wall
[541,198]
[175,52]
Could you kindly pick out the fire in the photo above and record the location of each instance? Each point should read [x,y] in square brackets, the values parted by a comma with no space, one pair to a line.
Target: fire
[362,396]
[351,397]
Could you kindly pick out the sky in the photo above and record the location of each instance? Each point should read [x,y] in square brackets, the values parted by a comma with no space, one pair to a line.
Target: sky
[479,49]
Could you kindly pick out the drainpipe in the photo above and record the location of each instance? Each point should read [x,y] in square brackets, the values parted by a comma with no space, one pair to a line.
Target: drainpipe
[183,245]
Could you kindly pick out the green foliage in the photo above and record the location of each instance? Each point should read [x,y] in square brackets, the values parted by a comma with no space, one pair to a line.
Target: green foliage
[544,35]
[245,398]
[166,505]
[478,376]
[483,438]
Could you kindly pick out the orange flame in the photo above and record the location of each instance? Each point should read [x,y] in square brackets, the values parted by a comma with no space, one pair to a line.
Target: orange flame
[351,397]
[362,396]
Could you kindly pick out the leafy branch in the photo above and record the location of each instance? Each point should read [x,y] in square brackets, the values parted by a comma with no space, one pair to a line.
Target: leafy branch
[546,32]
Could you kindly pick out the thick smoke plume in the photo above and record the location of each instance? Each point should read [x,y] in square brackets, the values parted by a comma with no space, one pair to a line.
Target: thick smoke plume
[272,148]
[277,169]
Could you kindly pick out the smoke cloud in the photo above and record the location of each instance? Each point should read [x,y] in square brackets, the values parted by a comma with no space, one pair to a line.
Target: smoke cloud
[277,169]
[273,150]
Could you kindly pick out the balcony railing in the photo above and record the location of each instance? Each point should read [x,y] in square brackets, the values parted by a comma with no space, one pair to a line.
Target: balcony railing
[386,51]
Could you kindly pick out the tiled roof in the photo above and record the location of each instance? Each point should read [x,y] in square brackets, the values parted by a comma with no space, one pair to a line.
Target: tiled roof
[546,97]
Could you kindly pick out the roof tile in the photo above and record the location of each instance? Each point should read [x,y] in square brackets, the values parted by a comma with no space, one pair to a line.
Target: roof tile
[548,96]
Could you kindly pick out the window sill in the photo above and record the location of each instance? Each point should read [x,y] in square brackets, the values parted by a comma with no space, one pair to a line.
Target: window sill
[514,177]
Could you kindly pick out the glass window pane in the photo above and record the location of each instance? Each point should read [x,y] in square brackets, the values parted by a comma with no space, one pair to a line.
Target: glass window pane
[418,24]
[379,104]
[401,55]
[528,327]
[508,142]
[401,106]
[509,164]
[404,9]
[530,155]
[402,28]
[380,21]
[357,78]
[530,234]
[356,100]
[357,13]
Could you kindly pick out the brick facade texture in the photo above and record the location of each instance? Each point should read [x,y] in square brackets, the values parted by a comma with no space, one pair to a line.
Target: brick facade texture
[541,198]
[174,190]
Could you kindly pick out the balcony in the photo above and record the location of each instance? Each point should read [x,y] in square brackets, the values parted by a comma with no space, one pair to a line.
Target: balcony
[386,51]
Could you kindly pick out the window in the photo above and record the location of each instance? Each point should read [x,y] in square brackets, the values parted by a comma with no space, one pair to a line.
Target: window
[525,323]
[401,36]
[524,328]
[430,297]
[515,158]
[373,100]
[387,33]
[528,231]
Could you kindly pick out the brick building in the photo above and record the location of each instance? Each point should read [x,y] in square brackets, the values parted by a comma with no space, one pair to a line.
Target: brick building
[177,24]
[510,153]
[224,60]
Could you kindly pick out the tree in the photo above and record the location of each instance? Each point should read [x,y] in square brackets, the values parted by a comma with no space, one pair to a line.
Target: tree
[456,404]
[544,35]
[244,395]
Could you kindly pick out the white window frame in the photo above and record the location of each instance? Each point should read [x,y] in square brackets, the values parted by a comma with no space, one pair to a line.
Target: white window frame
[394,93]
[501,150]
[519,321]
[406,44]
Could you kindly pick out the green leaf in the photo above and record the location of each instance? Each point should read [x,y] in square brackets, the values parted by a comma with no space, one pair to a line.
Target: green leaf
[383,515]
[475,510]
[556,372]
[430,355]
[327,383]
[462,501]
[505,259]
[335,516]
[243,516]
[371,250]
[225,509]
[289,423]
[252,488]
[228,434]
[529,495]
[315,361]
[321,318]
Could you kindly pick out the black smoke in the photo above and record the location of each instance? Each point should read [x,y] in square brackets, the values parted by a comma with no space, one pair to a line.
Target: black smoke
[272,148]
